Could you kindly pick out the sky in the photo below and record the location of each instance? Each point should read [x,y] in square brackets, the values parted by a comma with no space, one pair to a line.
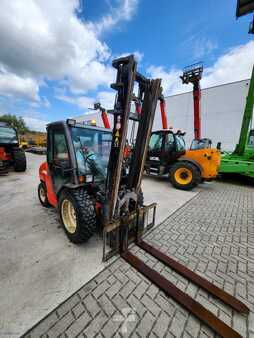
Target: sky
[55,56]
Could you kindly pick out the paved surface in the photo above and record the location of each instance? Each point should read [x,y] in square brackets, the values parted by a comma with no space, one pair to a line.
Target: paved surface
[213,234]
[39,267]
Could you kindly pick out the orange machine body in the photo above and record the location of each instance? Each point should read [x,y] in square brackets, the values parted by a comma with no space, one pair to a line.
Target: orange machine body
[208,160]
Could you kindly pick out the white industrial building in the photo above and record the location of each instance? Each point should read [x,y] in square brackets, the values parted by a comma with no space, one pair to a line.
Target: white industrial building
[221,113]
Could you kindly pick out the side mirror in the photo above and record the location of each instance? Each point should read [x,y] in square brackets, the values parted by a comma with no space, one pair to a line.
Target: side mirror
[219,146]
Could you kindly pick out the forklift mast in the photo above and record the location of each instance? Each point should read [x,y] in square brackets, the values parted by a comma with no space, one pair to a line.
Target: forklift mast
[148,94]
[247,118]
[193,74]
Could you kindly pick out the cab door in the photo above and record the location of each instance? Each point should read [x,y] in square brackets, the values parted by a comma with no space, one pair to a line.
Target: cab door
[58,158]
[155,150]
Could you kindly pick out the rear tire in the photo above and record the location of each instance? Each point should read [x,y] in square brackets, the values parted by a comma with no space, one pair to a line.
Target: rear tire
[42,195]
[77,214]
[184,175]
[19,158]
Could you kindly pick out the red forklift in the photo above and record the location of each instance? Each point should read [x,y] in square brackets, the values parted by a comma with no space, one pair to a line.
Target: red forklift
[85,180]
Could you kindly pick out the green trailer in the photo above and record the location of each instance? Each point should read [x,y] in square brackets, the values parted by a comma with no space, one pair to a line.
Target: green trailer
[241,161]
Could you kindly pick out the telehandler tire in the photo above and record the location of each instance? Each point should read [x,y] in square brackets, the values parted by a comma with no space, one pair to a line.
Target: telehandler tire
[42,194]
[184,175]
[77,214]
[19,158]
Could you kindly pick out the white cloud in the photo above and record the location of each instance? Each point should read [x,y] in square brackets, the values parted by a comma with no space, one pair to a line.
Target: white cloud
[44,40]
[202,47]
[106,99]
[13,85]
[80,101]
[236,64]
[171,81]
[35,124]
[122,11]
[198,45]
[137,55]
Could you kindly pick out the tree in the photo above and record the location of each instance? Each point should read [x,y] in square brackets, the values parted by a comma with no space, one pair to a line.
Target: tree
[15,122]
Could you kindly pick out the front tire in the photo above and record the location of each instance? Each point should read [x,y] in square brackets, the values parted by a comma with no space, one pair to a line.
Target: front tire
[184,175]
[42,194]
[19,158]
[77,215]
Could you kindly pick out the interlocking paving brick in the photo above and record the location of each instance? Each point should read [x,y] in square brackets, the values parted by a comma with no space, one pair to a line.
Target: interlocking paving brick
[67,306]
[96,325]
[161,326]
[145,325]
[78,325]
[61,325]
[78,309]
[92,305]
[213,235]
[106,305]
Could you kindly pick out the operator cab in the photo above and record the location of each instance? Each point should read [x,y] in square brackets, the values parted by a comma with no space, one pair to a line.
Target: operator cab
[165,147]
[77,153]
[203,143]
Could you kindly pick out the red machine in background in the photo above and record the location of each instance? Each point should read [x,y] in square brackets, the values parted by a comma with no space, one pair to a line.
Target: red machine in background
[164,119]
[104,115]
[193,74]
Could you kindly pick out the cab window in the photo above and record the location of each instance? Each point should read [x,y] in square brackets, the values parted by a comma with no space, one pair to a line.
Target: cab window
[60,146]
[169,142]
[251,138]
[156,142]
[180,143]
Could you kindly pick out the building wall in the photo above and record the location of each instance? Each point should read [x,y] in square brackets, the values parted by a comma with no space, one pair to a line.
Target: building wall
[222,110]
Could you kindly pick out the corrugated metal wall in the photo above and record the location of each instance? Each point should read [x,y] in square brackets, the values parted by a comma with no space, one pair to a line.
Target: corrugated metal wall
[221,113]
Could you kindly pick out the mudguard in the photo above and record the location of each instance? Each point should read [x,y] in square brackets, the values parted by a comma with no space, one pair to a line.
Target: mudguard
[45,177]
[188,159]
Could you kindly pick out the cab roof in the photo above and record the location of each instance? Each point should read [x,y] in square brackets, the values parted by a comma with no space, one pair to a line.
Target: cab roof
[172,131]
[68,123]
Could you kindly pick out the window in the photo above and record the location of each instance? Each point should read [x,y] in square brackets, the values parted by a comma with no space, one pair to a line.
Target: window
[8,135]
[251,138]
[180,143]
[156,142]
[92,148]
[60,146]
[169,142]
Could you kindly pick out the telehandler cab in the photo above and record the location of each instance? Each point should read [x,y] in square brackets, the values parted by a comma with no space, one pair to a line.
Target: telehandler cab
[10,152]
[85,179]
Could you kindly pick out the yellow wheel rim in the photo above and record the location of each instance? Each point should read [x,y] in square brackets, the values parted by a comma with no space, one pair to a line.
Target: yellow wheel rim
[42,193]
[183,176]
[68,216]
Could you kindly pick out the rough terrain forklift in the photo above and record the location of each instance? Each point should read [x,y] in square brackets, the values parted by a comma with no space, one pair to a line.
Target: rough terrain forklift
[10,152]
[167,155]
[85,179]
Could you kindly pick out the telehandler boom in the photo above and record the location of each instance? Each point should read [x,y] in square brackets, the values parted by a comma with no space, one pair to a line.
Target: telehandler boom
[241,161]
